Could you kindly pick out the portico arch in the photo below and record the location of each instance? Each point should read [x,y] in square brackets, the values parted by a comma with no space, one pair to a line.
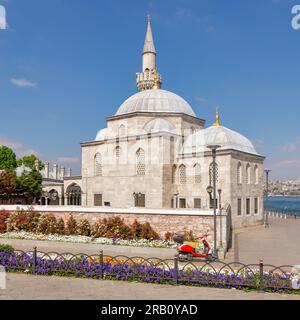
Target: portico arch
[73,195]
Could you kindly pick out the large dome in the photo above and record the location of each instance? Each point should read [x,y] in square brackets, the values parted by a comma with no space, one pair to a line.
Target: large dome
[155,100]
[217,135]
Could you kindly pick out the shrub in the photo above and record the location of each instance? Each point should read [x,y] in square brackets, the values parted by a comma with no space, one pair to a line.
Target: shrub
[84,228]
[4,215]
[148,233]
[60,227]
[22,220]
[97,229]
[71,227]
[137,229]
[169,236]
[189,236]
[47,224]
[32,220]
[116,228]
[6,248]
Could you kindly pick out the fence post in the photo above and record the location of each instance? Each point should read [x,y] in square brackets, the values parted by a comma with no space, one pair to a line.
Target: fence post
[34,258]
[261,275]
[176,270]
[101,263]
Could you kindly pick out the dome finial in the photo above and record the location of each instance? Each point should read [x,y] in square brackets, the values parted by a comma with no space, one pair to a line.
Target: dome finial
[217,123]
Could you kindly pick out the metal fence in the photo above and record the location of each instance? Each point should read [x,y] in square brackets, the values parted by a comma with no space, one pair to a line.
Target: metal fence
[153,270]
[282,213]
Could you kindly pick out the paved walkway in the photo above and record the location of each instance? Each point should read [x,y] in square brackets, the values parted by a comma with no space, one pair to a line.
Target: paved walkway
[21,287]
[278,245]
[89,248]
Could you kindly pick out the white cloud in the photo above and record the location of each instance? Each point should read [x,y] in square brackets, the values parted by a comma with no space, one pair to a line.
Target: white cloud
[289,147]
[288,163]
[22,83]
[201,99]
[2,18]
[68,160]
[17,147]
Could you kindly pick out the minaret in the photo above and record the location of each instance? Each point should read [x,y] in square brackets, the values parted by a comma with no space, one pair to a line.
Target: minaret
[146,80]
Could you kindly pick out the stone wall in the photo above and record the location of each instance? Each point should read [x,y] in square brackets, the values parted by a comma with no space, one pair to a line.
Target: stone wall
[162,221]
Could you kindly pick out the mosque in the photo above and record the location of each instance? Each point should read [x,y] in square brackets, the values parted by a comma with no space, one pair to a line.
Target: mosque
[155,153]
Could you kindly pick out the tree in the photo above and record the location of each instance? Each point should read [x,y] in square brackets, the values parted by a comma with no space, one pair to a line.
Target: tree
[30,161]
[8,183]
[30,183]
[8,161]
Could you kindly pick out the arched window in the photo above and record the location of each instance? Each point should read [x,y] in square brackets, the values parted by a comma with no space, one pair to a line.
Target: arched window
[122,130]
[239,173]
[140,162]
[248,174]
[174,174]
[211,173]
[197,173]
[256,174]
[98,164]
[182,174]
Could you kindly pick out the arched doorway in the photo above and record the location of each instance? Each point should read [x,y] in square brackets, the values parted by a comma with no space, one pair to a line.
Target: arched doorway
[53,198]
[73,195]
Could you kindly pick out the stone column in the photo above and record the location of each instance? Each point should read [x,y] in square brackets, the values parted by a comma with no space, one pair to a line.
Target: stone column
[36,165]
[62,172]
[69,172]
[55,171]
[46,169]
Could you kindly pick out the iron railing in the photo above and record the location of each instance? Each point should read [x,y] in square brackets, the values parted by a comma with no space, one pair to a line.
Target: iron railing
[219,274]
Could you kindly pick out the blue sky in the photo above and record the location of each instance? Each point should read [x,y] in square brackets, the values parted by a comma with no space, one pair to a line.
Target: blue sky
[65,65]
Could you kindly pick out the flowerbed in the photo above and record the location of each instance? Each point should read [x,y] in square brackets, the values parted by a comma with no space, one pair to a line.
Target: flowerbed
[144,270]
[85,239]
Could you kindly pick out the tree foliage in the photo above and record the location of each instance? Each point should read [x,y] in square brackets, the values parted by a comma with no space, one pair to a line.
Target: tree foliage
[8,160]
[26,185]
[30,161]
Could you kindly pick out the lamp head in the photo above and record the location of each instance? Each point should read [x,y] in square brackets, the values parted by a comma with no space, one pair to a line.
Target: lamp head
[209,189]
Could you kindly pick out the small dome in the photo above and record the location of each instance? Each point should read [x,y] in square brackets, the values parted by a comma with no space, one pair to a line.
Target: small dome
[159,125]
[104,134]
[217,135]
[155,100]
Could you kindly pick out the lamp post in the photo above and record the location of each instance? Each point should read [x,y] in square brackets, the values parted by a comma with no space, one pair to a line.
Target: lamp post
[267,195]
[213,149]
[220,209]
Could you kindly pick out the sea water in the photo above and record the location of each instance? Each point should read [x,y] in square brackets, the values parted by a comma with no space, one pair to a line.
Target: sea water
[288,205]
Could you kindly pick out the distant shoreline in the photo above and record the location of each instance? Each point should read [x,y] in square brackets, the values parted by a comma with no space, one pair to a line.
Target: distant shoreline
[281,196]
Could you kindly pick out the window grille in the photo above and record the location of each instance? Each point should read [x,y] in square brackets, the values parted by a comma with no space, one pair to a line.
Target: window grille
[197,172]
[140,162]
[239,207]
[182,174]
[211,173]
[97,200]
[98,165]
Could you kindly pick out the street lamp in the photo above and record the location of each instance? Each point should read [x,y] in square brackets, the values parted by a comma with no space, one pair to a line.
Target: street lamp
[267,195]
[213,149]
[220,209]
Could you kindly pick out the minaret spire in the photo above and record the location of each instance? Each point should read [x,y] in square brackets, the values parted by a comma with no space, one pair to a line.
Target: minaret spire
[149,43]
[149,77]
